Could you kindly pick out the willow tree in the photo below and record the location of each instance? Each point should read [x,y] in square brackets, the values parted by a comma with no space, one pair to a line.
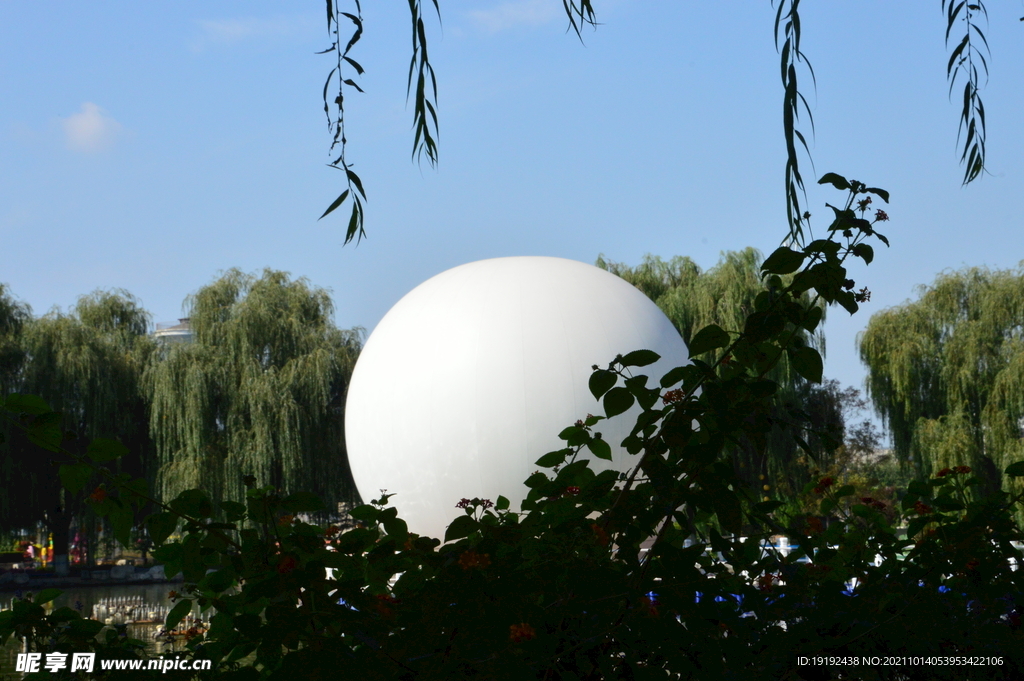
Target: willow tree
[86,364]
[946,372]
[258,392]
[725,295]
[13,317]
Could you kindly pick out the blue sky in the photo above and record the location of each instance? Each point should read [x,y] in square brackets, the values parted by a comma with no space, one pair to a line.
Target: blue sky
[150,146]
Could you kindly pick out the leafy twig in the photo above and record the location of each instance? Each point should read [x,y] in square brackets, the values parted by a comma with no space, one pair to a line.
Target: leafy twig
[789,21]
[337,124]
[972,118]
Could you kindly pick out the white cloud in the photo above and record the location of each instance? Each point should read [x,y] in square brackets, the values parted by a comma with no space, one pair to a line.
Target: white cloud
[232,31]
[517,13]
[90,130]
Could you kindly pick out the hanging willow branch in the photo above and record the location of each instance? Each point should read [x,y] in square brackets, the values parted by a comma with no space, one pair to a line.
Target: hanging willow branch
[424,102]
[964,59]
[787,28]
[337,124]
[579,15]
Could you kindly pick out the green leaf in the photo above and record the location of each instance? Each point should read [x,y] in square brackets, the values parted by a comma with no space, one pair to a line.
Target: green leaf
[135,491]
[845,491]
[501,504]
[46,432]
[302,502]
[763,325]
[813,318]
[864,251]
[1015,470]
[193,503]
[878,192]
[600,449]
[104,449]
[617,401]
[366,513]
[46,595]
[26,404]
[915,526]
[121,521]
[551,459]
[579,436]
[567,432]
[192,565]
[763,388]
[837,181]
[783,261]
[397,528]
[807,362]
[74,476]
[161,526]
[639,358]
[675,375]
[177,613]
[709,338]
[848,301]
[463,526]
[768,506]
[337,202]
[601,381]
[233,510]
[947,503]
[728,509]
[220,580]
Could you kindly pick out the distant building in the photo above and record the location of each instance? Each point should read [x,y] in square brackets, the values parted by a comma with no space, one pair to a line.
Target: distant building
[169,333]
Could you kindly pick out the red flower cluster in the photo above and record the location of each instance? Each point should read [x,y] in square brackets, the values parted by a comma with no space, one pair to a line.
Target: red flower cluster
[824,484]
[818,571]
[517,633]
[287,565]
[331,531]
[649,605]
[600,534]
[384,601]
[98,495]
[873,503]
[673,396]
[471,559]
[955,470]
[286,520]
[572,490]
[922,508]
[767,582]
[466,503]
[814,525]
[881,216]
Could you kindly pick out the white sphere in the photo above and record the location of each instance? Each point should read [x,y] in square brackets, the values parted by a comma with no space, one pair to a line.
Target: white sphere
[470,377]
